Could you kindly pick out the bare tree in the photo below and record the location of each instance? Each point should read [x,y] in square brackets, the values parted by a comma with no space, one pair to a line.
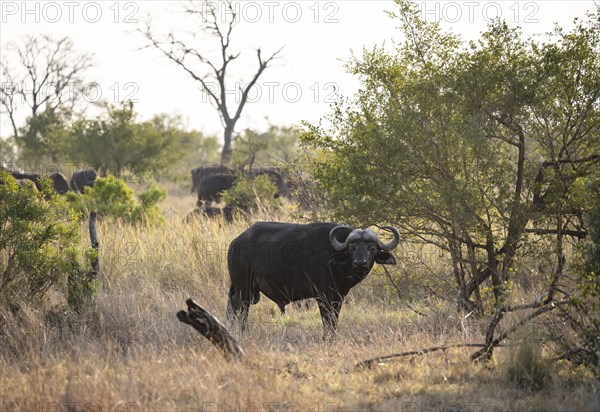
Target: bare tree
[48,75]
[210,73]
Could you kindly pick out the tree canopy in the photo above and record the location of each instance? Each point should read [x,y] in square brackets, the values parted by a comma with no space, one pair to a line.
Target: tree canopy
[467,146]
[115,143]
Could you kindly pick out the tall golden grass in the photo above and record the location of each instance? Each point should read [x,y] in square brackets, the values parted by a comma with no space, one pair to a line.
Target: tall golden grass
[130,353]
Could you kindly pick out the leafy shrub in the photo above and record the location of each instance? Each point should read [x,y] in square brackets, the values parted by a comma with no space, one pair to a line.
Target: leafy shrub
[252,194]
[112,197]
[39,244]
[148,211]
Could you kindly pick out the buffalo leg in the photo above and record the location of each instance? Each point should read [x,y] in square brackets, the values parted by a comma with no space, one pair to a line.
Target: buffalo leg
[330,312]
[281,308]
[237,307]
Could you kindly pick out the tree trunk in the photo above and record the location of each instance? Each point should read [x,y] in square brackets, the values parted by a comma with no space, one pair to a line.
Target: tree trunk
[492,265]
[518,214]
[474,276]
[463,303]
[227,148]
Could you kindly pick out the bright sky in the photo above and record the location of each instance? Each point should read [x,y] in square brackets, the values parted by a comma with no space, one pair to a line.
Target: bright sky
[317,35]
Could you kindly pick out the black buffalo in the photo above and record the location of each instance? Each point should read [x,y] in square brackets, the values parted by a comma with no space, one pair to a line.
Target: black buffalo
[211,186]
[200,174]
[210,189]
[59,181]
[82,179]
[291,262]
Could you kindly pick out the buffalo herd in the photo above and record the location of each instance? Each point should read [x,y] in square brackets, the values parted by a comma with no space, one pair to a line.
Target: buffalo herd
[79,180]
[209,181]
[284,261]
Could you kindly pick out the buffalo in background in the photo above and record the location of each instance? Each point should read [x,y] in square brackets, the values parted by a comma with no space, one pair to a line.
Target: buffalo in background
[59,181]
[83,178]
[202,173]
[291,262]
[211,181]
[210,189]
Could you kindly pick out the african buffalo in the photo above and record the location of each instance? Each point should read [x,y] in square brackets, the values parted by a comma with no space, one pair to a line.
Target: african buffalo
[210,189]
[83,178]
[23,183]
[211,186]
[289,262]
[59,182]
[200,174]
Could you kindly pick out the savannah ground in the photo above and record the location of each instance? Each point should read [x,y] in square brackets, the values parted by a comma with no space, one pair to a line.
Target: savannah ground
[130,353]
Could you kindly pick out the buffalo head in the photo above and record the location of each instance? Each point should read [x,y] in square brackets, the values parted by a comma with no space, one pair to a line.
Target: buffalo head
[365,248]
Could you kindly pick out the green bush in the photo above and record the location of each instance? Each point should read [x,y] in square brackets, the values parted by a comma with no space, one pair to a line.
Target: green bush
[147,211]
[112,197]
[39,244]
[252,194]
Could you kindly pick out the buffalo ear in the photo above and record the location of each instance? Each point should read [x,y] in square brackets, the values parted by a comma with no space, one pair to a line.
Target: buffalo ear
[385,258]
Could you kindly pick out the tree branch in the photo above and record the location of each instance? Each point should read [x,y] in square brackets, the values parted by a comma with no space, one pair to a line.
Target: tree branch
[542,303]
[262,65]
[574,233]
[369,363]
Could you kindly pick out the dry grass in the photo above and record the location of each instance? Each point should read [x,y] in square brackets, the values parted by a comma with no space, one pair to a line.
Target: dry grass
[132,354]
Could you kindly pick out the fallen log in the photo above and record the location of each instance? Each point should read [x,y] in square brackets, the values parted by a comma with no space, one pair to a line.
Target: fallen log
[212,329]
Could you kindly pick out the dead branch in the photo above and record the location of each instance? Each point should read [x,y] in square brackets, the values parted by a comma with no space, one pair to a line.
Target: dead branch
[369,363]
[486,352]
[542,303]
[212,329]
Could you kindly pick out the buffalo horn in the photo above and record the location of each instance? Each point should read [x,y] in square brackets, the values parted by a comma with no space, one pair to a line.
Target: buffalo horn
[337,245]
[394,242]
